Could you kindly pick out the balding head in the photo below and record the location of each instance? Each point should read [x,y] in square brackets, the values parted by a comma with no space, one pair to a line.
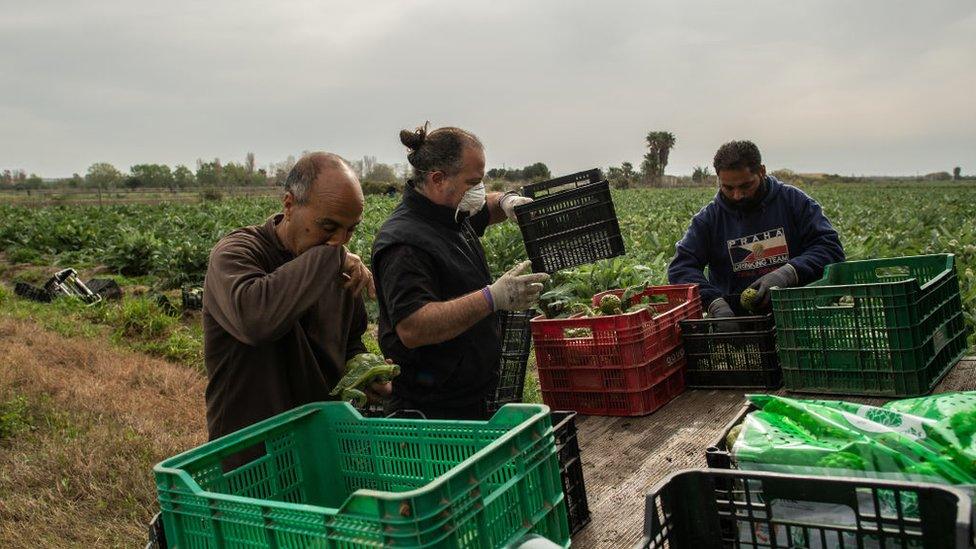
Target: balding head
[323,203]
[311,167]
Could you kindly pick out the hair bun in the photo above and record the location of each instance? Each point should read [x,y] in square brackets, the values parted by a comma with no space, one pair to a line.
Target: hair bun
[413,140]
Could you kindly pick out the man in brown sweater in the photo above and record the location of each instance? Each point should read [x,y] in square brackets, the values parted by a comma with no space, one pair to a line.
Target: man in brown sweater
[282,306]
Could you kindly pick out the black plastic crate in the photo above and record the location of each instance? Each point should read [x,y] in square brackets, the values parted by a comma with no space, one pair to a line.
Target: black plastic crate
[702,509]
[571,469]
[516,344]
[157,535]
[718,454]
[737,352]
[191,298]
[32,293]
[571,222]
[563,183]
[105,287]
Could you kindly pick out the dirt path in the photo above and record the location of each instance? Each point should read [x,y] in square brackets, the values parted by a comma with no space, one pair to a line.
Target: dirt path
[78,472]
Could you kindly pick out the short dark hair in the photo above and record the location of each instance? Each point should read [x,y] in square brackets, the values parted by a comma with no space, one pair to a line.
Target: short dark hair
[737,155]
[307,170]
[437,150]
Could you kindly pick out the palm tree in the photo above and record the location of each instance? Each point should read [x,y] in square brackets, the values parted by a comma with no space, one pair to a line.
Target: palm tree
[659,145]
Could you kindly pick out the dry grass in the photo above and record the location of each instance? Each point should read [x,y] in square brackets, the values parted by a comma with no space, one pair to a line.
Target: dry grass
[100,417]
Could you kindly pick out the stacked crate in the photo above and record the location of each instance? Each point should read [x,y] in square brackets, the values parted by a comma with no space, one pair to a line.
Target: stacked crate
[629,364]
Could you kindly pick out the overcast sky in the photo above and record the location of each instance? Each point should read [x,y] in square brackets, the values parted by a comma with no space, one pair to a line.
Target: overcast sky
[853,87]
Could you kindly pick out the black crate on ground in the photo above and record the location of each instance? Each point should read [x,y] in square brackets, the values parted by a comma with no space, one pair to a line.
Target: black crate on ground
[718,455]
[571,469]
[105,287]
[571,222]
[191,298]
[737,352]
[33,293]
[157,535]
[516,344]
[702,509]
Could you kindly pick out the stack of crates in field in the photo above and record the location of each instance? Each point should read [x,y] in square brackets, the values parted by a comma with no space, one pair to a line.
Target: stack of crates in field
[887,327]
[321,475]
[628,364]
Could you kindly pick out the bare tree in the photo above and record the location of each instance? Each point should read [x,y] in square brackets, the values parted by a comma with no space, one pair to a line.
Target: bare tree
[369,162]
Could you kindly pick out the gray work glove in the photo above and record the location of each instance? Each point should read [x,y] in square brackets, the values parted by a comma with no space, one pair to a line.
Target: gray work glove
[509,201]
[784,277]
[514,291]
[720,309]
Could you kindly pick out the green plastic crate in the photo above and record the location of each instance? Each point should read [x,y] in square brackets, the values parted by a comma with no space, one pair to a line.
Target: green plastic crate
[330,478]
[890,327]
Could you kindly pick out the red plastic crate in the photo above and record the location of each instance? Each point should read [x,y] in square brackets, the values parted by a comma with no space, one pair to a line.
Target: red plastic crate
[630,339]
[636,403]
[627,379]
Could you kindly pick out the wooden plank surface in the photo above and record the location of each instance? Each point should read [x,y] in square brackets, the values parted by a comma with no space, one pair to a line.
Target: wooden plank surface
[624,458]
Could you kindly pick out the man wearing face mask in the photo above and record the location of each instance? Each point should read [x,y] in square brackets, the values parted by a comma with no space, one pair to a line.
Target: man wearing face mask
[282,304]
[437,300]
[756,233]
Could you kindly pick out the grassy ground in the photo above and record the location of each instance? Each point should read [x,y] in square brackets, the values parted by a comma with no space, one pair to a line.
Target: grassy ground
[91,397]
[81,424]
[136,323]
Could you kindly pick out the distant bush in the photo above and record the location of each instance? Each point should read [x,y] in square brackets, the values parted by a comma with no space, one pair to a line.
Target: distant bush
[938,176]
[785,175]
[211,194]
[381,187]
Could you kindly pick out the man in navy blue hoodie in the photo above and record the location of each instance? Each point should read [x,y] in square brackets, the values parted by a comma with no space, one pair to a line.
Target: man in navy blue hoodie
[756,233]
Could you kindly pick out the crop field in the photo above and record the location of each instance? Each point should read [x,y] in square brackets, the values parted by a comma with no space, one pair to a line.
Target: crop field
[167,245]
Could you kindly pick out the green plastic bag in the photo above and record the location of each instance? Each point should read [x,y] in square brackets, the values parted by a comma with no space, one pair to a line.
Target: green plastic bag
[928,439]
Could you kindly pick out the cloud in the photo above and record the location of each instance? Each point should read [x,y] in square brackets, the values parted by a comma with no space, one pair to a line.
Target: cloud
[866,87]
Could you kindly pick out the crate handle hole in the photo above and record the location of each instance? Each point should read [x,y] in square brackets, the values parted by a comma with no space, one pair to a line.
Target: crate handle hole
[577,333]
[896,271]
[242,457]
[837,302]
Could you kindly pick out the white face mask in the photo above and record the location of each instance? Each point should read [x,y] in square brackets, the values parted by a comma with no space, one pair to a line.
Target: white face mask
[472,201]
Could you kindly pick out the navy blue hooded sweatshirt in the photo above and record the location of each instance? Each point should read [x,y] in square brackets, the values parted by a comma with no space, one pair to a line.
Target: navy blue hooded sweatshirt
[739,246]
